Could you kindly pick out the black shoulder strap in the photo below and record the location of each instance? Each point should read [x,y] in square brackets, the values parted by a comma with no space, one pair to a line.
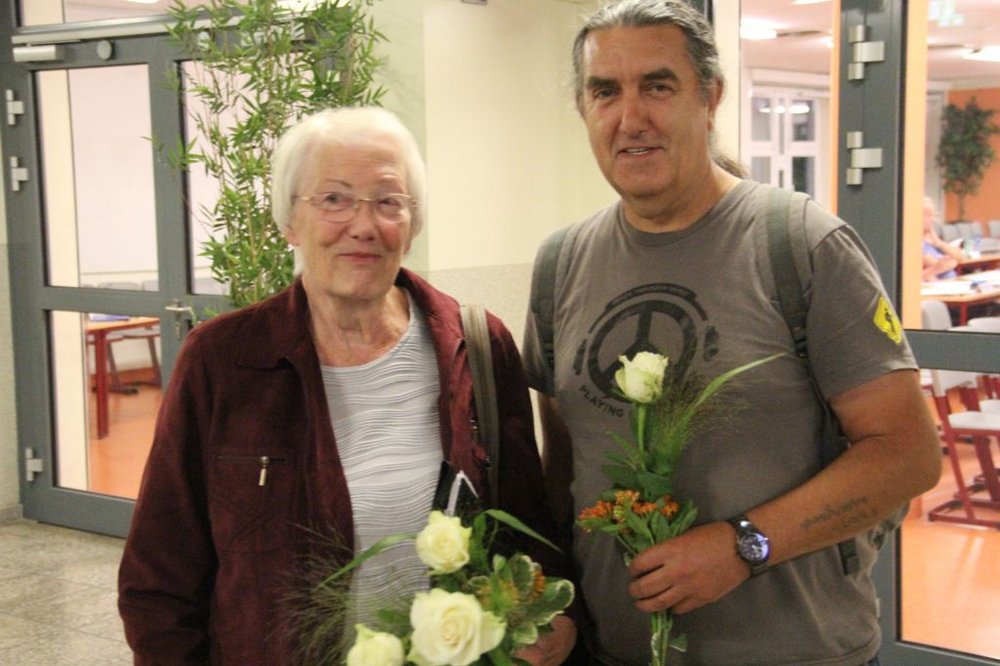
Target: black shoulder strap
[543,296]
[785,228]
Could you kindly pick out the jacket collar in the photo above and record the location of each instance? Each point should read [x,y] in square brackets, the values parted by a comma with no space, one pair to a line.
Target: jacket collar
[278,327]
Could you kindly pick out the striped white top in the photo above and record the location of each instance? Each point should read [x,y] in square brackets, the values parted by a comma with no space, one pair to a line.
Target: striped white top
[385,416]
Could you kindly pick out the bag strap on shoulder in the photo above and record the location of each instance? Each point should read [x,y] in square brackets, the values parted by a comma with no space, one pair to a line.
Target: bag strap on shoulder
[544,275]
[484,389]
[786,232]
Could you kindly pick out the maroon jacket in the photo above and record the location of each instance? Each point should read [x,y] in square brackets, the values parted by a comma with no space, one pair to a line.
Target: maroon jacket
[211,554]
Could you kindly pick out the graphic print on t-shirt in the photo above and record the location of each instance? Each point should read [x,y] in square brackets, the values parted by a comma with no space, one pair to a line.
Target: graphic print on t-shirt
[663,318]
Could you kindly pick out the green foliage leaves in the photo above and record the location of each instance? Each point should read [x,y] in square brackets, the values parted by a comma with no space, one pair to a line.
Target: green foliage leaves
[964,151]
[260,67]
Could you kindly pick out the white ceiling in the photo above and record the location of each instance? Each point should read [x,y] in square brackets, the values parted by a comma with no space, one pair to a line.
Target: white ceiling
[803,34]
[803,30]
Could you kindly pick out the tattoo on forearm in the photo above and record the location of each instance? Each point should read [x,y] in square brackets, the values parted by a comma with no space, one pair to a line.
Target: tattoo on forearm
[855,513]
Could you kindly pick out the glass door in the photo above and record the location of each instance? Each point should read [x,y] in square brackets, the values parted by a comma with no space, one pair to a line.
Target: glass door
[938,574]
[900,65]
[101,247]
[785,147]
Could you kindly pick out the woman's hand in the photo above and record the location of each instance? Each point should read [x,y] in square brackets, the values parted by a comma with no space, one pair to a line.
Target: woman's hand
[554,647]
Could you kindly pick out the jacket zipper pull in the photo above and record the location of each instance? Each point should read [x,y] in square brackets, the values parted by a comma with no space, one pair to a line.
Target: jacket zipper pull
[264,462]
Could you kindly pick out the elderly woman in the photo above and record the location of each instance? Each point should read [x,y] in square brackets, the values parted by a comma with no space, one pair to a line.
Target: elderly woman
[940,256]
[322,414]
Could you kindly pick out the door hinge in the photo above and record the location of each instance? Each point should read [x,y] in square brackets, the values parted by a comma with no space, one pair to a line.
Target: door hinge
[861,158]
[32,465]
[862,52]
[18,174]
[15,107]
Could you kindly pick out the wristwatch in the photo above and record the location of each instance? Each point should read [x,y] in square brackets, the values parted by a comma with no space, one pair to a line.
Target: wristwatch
[751,544]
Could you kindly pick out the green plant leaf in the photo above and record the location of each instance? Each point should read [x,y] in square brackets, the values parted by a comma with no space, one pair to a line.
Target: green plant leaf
[509,520]
[653,486]
[369,553]
[621,476]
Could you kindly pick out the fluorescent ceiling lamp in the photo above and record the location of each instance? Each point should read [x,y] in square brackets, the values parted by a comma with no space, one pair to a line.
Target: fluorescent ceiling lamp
[754,32]
[987,53]
[795,109]
[808,2]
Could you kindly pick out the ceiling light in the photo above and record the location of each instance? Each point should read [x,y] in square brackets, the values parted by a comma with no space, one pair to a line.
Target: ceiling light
[796,109]
[751,31]
[808,2]
[987,53]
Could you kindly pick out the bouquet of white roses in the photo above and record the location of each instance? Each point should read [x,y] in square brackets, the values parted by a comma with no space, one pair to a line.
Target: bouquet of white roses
[481,608]
[640,509]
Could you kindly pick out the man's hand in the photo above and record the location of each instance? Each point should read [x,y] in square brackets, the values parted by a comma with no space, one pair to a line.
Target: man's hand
[688,571]
[554,647]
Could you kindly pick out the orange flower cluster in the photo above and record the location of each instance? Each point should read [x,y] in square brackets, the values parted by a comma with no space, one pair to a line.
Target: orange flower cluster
[625,501]
[599,511]
[670,507]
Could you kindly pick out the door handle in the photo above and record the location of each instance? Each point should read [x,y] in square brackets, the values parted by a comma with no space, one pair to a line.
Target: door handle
[182,314]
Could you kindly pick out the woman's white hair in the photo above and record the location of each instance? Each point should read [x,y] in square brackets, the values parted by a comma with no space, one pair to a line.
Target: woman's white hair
[338,127]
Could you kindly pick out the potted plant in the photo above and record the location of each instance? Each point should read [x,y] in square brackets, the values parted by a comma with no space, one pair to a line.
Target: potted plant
[259,66]
[964,151]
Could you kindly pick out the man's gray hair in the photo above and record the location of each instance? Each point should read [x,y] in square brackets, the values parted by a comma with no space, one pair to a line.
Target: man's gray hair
[701,48]
[347,125]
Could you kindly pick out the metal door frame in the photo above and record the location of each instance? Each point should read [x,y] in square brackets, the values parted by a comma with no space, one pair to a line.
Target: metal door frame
[133,42]
[874,106]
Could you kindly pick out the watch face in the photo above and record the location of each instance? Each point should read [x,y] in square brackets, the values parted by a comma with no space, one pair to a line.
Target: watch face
[754,547]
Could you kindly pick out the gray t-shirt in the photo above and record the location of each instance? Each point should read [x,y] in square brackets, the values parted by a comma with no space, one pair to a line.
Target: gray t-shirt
[705,297]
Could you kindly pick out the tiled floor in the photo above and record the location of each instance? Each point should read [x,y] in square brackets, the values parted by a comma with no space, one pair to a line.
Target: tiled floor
[58,598]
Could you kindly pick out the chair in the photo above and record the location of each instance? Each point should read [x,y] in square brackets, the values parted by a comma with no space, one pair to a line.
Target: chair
[985,324]
[988,325]
[949,232]
[935,316]
[966,229]
[148,334]
[980,424]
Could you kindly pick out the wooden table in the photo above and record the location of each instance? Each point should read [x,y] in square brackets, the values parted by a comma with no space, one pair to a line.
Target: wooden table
[98,331]
[987,261]
[962,292]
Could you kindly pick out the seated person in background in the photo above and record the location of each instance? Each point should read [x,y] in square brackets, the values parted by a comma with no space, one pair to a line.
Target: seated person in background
[940,257]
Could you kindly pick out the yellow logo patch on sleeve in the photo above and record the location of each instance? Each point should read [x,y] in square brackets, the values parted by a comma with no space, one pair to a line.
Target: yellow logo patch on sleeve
[887,321]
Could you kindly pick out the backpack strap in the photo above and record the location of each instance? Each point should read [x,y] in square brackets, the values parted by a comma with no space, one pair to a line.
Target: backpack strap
[783,265]
[480,356]
[788,252]
[546,272]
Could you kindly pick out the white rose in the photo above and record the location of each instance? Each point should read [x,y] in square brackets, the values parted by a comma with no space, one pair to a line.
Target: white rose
[451,629]
[641,379]
[375,648]
[444,544]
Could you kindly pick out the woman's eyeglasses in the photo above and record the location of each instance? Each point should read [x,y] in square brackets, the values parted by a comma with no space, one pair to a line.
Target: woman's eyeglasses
[342,207]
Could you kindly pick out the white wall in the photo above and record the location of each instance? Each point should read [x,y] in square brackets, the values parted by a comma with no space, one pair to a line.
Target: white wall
[507,155]
[486,89]
[498,110]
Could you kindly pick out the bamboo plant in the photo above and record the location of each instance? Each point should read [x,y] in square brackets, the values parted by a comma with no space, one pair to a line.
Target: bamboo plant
[259,66]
